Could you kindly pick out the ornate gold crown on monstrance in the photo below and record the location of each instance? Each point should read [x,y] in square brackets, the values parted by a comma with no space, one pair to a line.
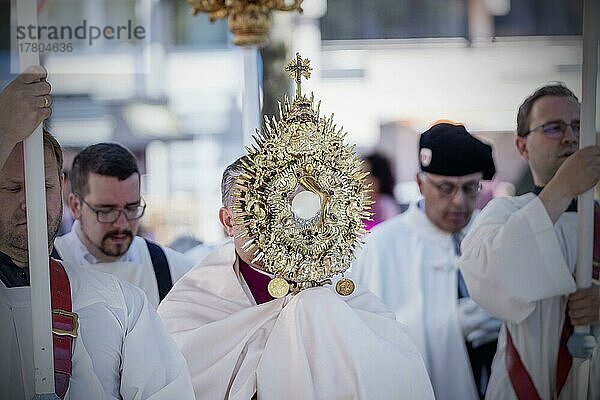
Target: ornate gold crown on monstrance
[302,197]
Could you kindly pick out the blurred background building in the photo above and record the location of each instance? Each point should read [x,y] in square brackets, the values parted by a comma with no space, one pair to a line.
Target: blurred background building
[388,69]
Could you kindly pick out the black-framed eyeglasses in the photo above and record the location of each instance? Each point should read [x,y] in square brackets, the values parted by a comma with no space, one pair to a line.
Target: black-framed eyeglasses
[110,215]
[557,129]
[449,189]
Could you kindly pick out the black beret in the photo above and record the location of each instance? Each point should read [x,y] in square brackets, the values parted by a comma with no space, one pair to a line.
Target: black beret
[447,149]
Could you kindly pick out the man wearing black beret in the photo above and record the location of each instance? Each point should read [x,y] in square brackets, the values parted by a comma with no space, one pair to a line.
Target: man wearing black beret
[411,263]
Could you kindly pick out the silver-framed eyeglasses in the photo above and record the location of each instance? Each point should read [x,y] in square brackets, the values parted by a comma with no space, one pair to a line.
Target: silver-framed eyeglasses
[557,129]
[449,189]
[110,215]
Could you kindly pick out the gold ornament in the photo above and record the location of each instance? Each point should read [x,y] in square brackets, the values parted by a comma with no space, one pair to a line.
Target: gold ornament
[345,287]
[248,20]
[278,287]
[302,197]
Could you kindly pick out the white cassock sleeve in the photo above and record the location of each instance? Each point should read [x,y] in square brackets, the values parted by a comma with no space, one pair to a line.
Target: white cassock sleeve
[512,258]
[152,366]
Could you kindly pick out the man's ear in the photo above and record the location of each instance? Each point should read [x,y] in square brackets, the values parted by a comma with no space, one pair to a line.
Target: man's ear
[74,205]
[227,221]
[521,145]
[419,180]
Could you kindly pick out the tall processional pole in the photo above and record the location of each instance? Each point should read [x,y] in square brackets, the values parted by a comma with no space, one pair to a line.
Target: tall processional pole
[37,231]
[585,201]
[250,22]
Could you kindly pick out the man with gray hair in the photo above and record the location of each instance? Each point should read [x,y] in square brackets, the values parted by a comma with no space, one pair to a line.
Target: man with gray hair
[411,263]
[240,342]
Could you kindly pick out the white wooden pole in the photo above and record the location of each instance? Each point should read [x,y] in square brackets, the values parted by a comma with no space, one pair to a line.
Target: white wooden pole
[251,96]
[585,201]
[37,230]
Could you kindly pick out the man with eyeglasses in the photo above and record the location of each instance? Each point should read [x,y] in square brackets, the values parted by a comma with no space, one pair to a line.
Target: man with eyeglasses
[107,205]
[519,259]
[101,327]
[411,263]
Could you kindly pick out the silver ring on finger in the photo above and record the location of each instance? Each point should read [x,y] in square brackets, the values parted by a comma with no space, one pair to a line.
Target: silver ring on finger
[46,102]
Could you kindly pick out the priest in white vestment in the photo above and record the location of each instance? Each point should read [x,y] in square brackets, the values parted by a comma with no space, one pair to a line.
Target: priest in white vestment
[260,316]
[519,259]
[120,350]
[411,263]
[314,345]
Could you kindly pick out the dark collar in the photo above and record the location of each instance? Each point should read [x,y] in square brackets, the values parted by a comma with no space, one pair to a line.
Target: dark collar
[11,274]
[572,206]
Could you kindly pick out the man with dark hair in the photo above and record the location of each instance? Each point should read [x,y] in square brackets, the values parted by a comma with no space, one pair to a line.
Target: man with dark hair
[106,202]
[523,115]
[519,258]
[102,327]
[411,263]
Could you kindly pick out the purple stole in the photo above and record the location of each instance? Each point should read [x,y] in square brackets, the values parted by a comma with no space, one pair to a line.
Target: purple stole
[257,283]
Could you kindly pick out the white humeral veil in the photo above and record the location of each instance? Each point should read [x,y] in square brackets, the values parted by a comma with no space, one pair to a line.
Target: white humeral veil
[313,345]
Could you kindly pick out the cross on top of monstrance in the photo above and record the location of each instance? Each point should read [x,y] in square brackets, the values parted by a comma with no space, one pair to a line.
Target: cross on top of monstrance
[299,68]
